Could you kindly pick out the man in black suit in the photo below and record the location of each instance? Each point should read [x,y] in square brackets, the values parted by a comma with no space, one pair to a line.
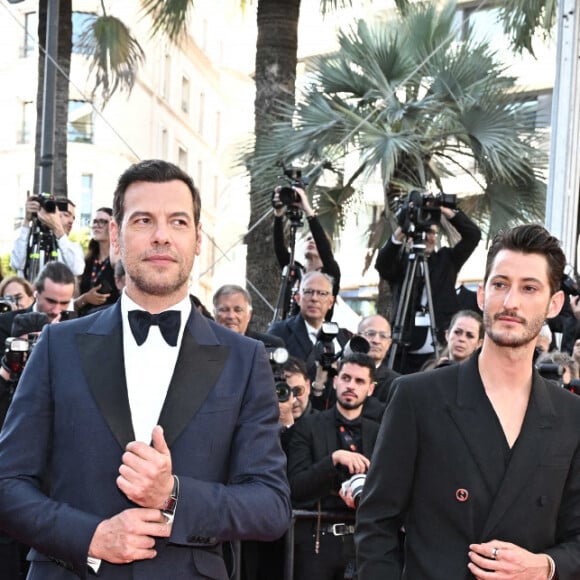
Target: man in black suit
[300,332]
[54,289]
[326,450]
[232,307]
[377,331]
[444,265]
[157,426]
[480,462]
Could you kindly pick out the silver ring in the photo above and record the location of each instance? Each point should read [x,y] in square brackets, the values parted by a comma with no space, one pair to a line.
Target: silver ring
[494,553]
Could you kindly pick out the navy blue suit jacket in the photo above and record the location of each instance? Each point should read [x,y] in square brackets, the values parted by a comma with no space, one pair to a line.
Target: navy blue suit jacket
[71,419]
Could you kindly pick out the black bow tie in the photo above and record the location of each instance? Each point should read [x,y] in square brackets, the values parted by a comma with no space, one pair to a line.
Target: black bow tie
[169,323]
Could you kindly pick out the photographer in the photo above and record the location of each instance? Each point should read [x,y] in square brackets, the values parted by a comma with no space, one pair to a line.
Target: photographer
[54,288]
[325,451]
[300,332]
[13,554]
[444,265]
[59,222]
[318,254]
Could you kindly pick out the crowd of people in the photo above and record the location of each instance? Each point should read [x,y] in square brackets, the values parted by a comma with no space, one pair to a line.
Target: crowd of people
[149,435]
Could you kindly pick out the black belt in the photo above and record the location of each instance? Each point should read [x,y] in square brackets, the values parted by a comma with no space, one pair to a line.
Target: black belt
[337,529]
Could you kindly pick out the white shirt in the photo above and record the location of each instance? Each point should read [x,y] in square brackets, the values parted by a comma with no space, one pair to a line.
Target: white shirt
[149,368]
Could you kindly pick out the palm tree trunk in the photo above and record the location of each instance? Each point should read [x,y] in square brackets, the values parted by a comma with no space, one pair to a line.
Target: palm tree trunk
[276,58]
[62,91]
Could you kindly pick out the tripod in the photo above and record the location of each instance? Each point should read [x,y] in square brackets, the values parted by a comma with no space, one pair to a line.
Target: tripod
[41,248]
[416,258]
[291,273]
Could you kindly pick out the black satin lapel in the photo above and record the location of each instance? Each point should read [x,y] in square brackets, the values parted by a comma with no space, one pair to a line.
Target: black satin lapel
[196,372]
[102,363]
[528,453]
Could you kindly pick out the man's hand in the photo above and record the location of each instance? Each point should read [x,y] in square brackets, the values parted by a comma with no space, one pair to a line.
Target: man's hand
[575,305]
[354,462]
[52,221]
[146,476]
[347,498]
[286,417]
[497,560]
[129,536]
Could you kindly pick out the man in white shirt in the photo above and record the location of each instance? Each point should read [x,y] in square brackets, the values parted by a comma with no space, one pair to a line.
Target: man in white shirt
[60,224]
[159,428]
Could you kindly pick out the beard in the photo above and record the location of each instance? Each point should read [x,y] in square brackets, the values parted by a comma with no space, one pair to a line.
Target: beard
[350,405]
[157,283]
[528,333]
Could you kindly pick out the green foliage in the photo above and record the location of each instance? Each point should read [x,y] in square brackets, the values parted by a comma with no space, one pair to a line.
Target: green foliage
[113,53]
[408,101]
[5,268]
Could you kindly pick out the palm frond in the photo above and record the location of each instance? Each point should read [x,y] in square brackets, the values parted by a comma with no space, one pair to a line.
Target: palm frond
[114,54]
[169,17]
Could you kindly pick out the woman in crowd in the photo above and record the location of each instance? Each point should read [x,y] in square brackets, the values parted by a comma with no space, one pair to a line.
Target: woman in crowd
[97,286]
[18,291]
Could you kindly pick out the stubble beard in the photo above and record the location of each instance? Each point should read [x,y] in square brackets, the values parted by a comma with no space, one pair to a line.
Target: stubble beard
[531,330]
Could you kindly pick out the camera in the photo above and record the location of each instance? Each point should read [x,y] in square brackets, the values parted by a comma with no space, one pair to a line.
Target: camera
[554,372]
[277,357]
[68,315]
[49,203]
[356,344]
[421,210]
[7,304]
[15,354]
[569,282]
[324,351]
[355,484]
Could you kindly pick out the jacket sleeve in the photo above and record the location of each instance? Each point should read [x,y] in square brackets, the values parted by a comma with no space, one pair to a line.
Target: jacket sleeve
[329,264]
[72,255]
[280,249]
[310,477]
[390,263]
[380,513]
[18,254]
[470,236]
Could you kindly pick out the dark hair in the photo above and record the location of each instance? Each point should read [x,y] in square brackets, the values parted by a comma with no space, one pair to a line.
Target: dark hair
[468,314]
[58,272]
[362,360]
[93,247]
[152,171]
[296,366]
[530,239]
[228,290]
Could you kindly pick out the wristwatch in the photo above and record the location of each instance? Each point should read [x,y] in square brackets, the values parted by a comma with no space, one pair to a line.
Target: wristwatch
[168,509]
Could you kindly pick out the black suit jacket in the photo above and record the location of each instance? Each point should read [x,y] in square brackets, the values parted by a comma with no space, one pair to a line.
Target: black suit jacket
[310,470]
[438,469]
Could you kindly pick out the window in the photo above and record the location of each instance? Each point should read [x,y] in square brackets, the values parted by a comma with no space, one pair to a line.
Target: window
[166,78]
[182,160]
[28,124]
[86,202]
[81,21]
[30,34]
[201,113]
[80,122]
[164,143]
[185,94]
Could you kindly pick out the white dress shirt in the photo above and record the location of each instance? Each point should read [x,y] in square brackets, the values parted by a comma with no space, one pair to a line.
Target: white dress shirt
[149,368]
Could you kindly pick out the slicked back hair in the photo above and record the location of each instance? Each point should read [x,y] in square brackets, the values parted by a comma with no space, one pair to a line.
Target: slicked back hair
[530,239]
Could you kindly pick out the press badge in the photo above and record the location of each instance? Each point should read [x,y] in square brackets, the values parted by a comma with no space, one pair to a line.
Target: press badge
[422,319]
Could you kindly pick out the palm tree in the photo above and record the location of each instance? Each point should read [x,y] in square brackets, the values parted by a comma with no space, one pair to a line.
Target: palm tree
[408,101]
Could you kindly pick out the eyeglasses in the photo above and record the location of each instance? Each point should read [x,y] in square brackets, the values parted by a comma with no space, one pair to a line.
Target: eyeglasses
[310,292]
[372,333]
[297,391]
[100,223]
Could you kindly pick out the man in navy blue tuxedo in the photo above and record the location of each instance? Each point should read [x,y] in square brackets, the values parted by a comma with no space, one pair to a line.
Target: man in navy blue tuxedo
[154,429]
